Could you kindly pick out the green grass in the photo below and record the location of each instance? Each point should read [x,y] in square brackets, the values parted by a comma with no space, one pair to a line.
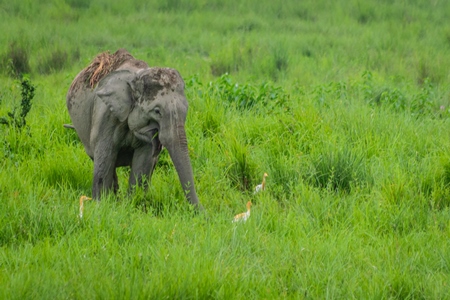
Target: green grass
[344,104]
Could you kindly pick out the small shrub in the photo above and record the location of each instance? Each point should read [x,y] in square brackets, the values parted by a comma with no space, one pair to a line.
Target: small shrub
[392,98]
[247,96]
[17,117]
[329,92]
[321,93]
[381,96]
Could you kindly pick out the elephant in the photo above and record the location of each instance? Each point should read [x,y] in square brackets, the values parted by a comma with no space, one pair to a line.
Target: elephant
[124,113]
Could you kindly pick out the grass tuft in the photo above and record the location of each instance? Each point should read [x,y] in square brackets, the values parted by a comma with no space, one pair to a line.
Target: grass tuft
[240,166]
[338,170]
[56,62]
[16,60]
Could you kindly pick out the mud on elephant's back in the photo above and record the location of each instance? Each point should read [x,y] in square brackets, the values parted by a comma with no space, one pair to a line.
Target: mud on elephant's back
[103,64]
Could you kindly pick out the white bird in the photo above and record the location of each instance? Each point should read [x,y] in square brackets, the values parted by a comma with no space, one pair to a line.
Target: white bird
[82,199]
[243,216]
[262,186]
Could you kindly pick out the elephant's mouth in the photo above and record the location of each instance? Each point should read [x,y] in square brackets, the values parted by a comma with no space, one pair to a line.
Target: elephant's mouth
[146,134]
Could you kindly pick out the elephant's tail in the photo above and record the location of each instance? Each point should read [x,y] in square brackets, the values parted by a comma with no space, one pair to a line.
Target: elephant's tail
[69,126]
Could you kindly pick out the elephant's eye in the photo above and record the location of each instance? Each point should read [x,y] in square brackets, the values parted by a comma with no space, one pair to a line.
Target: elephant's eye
[157,111]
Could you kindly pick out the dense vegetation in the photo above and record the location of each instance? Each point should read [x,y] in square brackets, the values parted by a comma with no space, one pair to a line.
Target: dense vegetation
[345,104]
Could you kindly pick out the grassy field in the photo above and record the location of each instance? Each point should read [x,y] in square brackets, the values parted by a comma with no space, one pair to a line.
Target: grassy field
[345,104]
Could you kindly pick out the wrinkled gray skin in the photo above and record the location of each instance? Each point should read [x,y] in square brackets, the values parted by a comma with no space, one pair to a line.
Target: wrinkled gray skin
[125,121]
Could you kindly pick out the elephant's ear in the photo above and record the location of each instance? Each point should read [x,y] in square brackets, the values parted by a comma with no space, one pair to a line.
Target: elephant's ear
[118,91]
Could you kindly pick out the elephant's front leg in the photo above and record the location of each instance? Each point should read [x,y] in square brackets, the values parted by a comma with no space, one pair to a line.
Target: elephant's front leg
[143,164]
[104,170]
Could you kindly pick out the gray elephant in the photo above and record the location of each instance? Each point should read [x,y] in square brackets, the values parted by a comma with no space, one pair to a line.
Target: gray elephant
[124,112]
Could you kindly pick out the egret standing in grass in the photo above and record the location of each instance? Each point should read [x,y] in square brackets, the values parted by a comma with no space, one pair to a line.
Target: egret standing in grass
[243,216]
[262,186]
[82,199]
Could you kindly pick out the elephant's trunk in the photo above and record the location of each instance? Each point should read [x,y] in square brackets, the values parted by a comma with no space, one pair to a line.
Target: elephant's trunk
[179,153]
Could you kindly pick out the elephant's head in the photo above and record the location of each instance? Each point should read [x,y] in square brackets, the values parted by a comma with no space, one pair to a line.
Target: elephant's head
[153,103]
